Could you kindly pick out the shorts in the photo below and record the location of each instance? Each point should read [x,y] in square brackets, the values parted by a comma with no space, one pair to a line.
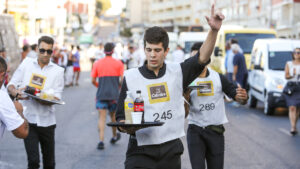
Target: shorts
[76,69]
[110,105]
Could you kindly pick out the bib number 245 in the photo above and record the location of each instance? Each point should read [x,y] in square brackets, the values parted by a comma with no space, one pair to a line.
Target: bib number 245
[163,116]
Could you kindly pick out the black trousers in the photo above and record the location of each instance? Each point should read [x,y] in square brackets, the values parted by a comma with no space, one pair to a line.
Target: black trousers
[162,156]
[45,137]
[205,144]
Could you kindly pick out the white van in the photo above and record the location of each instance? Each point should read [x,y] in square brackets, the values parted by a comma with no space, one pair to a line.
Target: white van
[266,77]
[187,39]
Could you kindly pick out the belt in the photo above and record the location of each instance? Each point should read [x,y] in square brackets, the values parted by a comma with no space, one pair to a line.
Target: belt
[217,128]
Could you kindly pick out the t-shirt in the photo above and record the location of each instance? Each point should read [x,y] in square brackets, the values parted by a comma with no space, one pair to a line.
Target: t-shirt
[77,57]
[108,70]
[9,118]
[239,60]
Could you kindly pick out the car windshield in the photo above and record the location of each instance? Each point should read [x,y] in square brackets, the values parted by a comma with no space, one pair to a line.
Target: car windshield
[246,40]
[187,46]
[277,60]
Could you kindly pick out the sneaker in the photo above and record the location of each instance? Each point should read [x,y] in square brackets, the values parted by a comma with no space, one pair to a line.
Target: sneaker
[115,139]
[100,145]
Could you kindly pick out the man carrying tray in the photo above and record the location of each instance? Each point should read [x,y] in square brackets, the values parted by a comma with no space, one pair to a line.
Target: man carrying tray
[160,147]
[42,74]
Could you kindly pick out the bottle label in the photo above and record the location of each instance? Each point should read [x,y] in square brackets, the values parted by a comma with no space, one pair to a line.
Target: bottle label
[139,107]
[128,105]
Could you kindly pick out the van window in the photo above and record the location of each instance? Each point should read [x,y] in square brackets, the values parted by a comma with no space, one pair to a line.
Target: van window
[246,40]
[277,60]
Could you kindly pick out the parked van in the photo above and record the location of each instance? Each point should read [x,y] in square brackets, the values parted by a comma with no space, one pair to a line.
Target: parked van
[245,37]
[266,77]
[9,41]
[187,39]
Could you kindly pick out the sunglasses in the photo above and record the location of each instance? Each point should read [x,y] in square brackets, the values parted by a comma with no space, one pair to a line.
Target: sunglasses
[298,53]
[42,51]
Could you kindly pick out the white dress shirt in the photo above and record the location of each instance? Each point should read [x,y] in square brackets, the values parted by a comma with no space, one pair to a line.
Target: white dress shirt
[35,112]
[9,118]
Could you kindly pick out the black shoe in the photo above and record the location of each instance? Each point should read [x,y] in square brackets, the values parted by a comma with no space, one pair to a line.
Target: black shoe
[115,139]
[100,145]
[293,133]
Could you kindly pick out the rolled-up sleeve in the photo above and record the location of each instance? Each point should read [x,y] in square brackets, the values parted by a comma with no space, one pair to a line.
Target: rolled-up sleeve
[18,75]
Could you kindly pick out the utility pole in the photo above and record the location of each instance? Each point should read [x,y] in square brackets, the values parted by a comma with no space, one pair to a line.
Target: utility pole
[270,19]
[6,6]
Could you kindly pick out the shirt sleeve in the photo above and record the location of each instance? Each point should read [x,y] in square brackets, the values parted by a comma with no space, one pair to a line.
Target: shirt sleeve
[228,87]
[120,113]
[235,60]
[9,115]
[191,69]
[59,83]
[18,75]
[121,68]
[94,70]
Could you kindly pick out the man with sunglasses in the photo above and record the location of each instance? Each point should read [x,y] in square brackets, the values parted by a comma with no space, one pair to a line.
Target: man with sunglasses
[42,74]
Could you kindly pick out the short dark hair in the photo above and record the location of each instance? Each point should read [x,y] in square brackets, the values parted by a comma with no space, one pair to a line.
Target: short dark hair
[2,49]
[46,39]
[25,48]
[33,47]
[109,47]
[3,65]
[234,41]
[156,35]
[196,46]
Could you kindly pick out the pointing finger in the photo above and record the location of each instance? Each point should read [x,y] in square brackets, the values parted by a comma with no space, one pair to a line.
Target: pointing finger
[212,12]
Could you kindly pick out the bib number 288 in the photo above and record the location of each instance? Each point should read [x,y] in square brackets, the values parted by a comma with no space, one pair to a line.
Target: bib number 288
[162,116]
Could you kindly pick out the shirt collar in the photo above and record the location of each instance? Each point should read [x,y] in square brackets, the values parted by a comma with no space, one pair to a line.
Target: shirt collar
[150,73]
[35,61]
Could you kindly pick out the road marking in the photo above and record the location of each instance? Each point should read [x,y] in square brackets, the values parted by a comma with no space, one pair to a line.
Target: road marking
[93,113]
[284,131]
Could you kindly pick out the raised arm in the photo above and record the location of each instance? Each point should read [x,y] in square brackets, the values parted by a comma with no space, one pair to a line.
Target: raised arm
[215,22]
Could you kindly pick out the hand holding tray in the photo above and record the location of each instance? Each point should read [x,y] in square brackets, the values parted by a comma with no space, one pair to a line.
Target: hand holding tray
[45,101]
[142,125]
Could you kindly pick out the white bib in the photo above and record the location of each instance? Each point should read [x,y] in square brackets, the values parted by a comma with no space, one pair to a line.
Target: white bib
[163,101]
[207,103]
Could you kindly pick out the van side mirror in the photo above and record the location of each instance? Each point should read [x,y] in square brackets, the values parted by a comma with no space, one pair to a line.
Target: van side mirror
[258,67]
[217,51]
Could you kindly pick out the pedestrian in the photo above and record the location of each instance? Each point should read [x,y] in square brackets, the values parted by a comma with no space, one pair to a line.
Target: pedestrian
[11,116]
[160,147]
[229,61]
[109,72]
[40,115]
[178,55]
[76,65]
[292,89]
[69,69]
[240,72]
[25,51]
[131,59]
[205,134]
[33,53]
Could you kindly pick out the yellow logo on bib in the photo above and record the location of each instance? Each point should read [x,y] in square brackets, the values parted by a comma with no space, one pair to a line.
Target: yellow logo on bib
[206,88]
[37,81]
[158,93]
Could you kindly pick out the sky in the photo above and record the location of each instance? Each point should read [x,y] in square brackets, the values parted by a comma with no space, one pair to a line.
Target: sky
[116,7]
